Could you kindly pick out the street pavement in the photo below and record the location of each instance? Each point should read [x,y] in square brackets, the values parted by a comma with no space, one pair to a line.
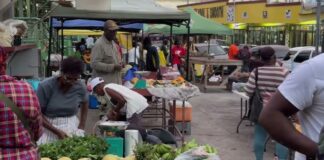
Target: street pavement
[215,117]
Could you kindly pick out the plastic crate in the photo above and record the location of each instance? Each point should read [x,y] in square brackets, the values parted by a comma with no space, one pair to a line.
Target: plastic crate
[93,102]
[187,128]
[116,146]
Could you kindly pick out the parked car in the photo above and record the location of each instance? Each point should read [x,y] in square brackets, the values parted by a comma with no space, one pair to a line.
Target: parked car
[280,51]
[214,50]
[298,55]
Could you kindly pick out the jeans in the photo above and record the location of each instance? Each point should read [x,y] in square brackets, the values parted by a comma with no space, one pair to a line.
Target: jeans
[260,137]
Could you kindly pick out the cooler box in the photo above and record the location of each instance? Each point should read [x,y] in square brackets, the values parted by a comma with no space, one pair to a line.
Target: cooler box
[93,102]
[116,146]
[187,111]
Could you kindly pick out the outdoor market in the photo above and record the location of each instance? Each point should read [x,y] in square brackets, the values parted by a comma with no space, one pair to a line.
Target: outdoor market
[161,80]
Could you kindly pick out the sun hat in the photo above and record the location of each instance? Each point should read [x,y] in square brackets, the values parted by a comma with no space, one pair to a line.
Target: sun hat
[111,25]
[94,82]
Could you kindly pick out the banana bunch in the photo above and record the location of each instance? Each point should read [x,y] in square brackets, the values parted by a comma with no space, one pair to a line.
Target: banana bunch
[166,152]
[210,149]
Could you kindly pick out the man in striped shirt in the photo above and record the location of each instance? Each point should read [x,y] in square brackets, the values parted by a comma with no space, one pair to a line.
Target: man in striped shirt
[270,77]
[15,140]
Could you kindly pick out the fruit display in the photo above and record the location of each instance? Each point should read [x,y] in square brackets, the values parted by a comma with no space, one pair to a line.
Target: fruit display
[178,82]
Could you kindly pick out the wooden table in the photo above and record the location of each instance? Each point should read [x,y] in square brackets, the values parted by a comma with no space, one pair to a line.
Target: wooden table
[209,62]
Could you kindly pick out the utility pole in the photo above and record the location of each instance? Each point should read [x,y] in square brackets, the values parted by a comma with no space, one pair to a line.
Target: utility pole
[318,25]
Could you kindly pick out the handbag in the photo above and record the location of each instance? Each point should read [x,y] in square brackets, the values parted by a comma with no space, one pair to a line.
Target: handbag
[256,101]
[19,113]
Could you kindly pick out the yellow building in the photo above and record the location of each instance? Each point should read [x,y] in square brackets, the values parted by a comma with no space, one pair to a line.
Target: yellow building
[261,21]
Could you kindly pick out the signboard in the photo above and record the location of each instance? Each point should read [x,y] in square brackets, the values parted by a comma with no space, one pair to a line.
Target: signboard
[230,14]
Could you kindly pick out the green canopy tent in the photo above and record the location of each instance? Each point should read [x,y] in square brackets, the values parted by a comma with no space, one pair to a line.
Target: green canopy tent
[198,25]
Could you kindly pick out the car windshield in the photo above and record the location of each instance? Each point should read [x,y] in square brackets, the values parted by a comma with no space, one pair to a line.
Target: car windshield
[290,53]
[213,49]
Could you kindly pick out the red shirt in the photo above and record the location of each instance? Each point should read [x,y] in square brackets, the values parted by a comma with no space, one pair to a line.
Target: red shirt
[232,52]
[15,140]
[177,52]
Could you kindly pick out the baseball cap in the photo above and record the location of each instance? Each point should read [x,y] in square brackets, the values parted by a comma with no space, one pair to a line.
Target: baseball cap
[94,82]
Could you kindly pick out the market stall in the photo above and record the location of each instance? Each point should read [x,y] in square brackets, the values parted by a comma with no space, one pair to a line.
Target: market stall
[210,62]
[124,12]
[199,25]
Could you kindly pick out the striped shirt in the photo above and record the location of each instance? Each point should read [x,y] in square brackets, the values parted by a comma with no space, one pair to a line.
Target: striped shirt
[269,79]
[15,140]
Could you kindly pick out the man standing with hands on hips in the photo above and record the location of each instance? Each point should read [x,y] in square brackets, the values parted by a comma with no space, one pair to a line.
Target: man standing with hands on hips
[105,60]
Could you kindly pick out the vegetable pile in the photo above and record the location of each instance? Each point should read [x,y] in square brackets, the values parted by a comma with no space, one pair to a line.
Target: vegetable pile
[75,148]
[166,152]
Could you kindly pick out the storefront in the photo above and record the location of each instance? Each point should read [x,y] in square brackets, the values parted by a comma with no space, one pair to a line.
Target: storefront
[262,22]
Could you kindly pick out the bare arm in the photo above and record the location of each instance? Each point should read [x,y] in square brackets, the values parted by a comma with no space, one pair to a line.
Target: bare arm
[53,129]
[274,119]
[120,100]
[84,113]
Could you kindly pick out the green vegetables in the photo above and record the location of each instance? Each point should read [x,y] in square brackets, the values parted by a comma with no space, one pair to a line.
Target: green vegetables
[75,148]
[166,152]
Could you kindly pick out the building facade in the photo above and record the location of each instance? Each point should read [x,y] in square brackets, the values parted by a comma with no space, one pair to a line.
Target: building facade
[284,22]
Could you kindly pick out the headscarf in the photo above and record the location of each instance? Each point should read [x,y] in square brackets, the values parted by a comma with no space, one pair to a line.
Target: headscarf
[3,59]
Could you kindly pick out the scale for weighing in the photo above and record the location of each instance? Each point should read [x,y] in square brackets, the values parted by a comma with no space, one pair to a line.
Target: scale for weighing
[109,128]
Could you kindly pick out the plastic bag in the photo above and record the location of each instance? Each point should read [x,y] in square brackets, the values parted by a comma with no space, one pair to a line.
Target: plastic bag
[130,74]
[197,153]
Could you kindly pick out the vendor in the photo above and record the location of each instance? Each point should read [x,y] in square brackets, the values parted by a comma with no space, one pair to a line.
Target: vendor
[127,105]
[60,98]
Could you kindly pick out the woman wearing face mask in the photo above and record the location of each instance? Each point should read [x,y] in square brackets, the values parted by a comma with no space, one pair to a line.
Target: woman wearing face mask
[60,98]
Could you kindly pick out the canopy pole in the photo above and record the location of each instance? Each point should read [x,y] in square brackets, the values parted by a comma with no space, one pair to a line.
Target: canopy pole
[62,40]
[48,72]
[170,54]
[318,26]
[126,60]
[57,41]
[142,52]
[188,48]
[208,44]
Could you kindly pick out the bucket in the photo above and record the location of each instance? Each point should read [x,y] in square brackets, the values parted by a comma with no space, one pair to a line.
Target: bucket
[132,138]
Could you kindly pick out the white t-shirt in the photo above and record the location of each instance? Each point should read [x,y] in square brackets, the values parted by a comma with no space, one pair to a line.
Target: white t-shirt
[304,88]
[90,42]
[131,55]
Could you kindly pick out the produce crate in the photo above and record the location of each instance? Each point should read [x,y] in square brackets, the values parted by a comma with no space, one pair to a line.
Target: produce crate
[187,111]
[116,146]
